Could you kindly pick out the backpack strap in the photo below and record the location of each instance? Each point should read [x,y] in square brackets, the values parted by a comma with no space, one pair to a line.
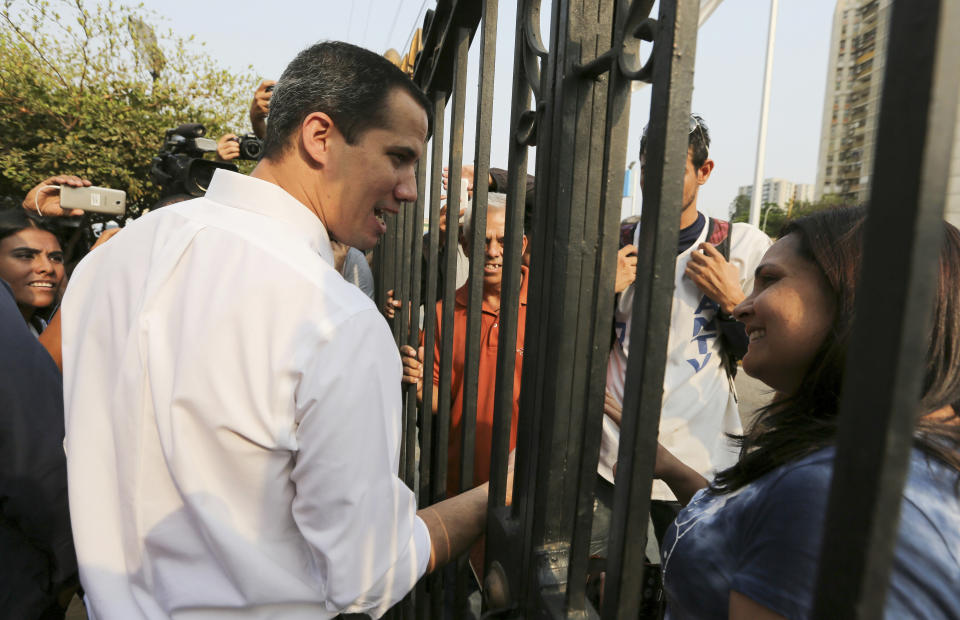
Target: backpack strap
[718,234]
[627,231]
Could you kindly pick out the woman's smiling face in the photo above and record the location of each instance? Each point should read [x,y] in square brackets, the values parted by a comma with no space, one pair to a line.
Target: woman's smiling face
[788,315]
[31,262]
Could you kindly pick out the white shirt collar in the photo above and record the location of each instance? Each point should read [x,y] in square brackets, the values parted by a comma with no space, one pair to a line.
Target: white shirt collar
[233,189]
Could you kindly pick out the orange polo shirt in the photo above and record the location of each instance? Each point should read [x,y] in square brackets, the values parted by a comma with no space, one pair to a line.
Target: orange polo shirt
[489,337]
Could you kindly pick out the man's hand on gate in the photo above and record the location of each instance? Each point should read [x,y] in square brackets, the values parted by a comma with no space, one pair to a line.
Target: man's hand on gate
[391,306]
[413,367]
[612,408]
[626,268]
[715,277]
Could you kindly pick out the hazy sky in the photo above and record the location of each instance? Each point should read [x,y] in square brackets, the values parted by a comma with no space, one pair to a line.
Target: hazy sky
[727,83]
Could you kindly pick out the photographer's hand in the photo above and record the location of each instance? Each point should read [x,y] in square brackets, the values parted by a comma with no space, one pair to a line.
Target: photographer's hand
[228,147]
[260,107]
[47,201]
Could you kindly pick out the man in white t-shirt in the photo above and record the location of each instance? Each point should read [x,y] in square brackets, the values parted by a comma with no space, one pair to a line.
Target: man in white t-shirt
[699,403]
[233,411]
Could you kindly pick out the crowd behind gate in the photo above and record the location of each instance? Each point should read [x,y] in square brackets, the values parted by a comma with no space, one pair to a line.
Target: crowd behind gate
[202,418]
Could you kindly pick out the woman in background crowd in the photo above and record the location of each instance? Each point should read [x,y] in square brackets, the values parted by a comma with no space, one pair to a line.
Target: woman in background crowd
[31,262]
[748,545]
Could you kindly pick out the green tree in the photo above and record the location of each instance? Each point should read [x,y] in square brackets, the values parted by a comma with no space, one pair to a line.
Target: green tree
[740,209]
[90,91]
[773,218]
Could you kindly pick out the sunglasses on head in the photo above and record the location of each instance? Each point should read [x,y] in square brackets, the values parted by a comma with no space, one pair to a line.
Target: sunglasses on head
[693,124]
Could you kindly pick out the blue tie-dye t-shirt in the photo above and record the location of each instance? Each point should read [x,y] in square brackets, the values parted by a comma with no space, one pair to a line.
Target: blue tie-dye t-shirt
[764,539]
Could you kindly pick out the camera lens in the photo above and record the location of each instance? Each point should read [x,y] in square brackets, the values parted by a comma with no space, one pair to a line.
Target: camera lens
[250,148]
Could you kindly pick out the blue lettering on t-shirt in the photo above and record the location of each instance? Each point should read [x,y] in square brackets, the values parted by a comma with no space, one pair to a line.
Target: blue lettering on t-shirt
[698,364]
[704,330]
[620,329]
[707,304]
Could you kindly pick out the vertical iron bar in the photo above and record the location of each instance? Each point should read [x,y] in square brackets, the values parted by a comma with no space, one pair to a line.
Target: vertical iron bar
[478,227]
[510,287]
[428,453]
[450,257]
[902,238]
[401,318]
[429,425]
[447,324]
[403,272]
[379,285]
[607,220]
[674,53]
[536,333]
[501,567]
[415,247]
[415,237]
[410,334]
[477,247]
[387,266]
[397,282]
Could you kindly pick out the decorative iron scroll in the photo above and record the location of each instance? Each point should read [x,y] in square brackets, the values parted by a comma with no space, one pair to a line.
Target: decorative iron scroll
[534,52]
[638,27]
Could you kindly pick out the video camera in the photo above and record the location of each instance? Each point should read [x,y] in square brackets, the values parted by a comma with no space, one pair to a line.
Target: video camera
[180,168]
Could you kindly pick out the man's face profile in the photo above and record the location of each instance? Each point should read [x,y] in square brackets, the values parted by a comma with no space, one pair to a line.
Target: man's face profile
[368,179]
[693,178]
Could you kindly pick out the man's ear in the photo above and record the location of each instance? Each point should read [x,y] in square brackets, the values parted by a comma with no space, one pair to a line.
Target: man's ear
[317,134]
[703,172]
[523,245]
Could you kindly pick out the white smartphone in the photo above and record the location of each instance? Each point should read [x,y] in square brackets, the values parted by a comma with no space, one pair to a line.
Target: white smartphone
[95,199]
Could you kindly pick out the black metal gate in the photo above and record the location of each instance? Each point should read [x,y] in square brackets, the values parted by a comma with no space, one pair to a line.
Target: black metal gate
[571,100]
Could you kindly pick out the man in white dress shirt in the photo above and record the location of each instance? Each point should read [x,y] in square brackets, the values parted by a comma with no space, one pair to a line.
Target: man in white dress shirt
[232,404]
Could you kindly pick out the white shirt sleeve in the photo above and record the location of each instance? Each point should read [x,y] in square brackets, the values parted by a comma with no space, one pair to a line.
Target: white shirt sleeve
[368,546]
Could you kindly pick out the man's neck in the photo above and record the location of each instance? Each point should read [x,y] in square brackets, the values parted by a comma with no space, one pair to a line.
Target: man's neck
[267,170]
[491,295]
[688,217]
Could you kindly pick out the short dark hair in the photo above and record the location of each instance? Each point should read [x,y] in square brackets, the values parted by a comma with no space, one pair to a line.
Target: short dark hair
[348,83]
[14,220]
[806,421]
[172,199]
[698,142]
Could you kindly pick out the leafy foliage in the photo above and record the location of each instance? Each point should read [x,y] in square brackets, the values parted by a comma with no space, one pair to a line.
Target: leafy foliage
[773,218]
[90,91]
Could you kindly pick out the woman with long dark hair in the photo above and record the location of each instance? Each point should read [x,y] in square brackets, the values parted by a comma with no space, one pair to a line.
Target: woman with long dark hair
[31,262]
[747,545]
